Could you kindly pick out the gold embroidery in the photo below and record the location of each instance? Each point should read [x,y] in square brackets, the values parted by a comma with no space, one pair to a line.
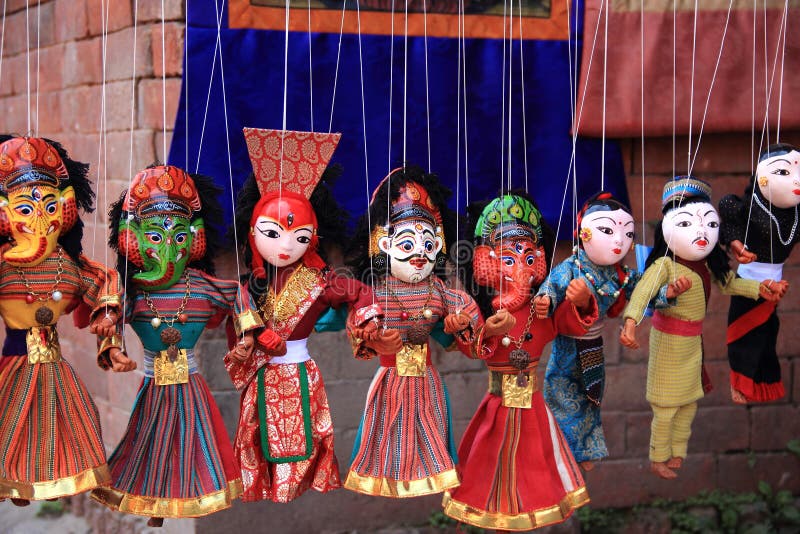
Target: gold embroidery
[515,396]
[168,371]
[389,487]
[61,487]
[43,346]
[172,507]
[281,308]
[411,360]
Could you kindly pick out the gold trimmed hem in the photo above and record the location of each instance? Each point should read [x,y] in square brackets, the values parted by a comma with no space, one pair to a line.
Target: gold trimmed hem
[53,489]
[400,489]
[128,503]
[525,521]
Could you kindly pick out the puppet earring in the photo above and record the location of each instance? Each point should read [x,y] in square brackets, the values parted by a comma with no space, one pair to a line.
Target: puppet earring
[763,181]
[585,234]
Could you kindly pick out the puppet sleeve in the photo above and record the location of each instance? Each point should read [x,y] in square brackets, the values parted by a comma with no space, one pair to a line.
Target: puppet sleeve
[731,209]
[456,301]
[732,285]
[555,285]
[101,292]
[654,280]
[571,321]
[358,298]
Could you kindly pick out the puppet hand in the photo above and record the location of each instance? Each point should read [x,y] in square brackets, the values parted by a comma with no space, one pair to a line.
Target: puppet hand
[367,332]
[741,253]
[456,322]
[244,348]
[773,291]
[499,324]
[388,341]
[273,344]
[541,305]
[104,324]
[681,285]
[579,293]
[627,335]
[120,363]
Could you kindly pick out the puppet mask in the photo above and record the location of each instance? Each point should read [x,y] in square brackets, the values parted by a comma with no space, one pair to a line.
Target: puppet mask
[284,229]
[523,268]
[778,179]
[412,250]
[609,237]
[692,230]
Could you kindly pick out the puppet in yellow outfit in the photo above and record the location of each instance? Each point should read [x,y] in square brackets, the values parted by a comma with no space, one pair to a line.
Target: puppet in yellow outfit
[686,251]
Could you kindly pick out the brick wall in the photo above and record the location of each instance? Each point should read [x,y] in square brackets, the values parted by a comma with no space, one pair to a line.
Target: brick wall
[727,439]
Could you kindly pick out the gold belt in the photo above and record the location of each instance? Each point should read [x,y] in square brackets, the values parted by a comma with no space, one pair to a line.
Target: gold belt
[43,345]
[412,360]
[514,396]
[168,371]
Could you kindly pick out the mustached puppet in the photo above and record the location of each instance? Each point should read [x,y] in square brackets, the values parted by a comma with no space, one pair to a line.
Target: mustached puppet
[517,472]
[284,441]
[404,446]
[49,426]
[685,245]
[575,376]
[765,219]
[175,459]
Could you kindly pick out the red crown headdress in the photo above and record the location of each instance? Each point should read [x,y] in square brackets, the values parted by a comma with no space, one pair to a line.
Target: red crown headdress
[162,190]
[26,161]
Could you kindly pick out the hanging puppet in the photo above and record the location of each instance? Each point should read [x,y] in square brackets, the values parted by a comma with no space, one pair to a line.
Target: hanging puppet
[517,472]
[175,459]
[760,230]
[49,425]
[575,378]
[404,447]
[285,213]
[685,245]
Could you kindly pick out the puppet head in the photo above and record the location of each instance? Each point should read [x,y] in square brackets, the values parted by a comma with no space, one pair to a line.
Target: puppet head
[287,167]
[605,229]
[510,256]
[37,201]
[159,229]
[691,223]
[778,175]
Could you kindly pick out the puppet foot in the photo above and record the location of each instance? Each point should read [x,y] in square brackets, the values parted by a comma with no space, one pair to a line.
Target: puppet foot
[155,522]
[737,396]
[20,502]
[675,462]
[588,465]
[661,470]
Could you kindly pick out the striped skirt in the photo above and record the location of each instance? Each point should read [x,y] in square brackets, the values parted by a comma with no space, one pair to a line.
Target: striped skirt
[404,447]
[517,472]
[50,443]
[175,459]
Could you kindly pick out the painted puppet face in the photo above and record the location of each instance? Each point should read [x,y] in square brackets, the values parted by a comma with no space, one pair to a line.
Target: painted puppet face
[278,245]
[522,267]
[607,236]
[412,250]
[164,243]
[36,218]
[778,179]
[691,231]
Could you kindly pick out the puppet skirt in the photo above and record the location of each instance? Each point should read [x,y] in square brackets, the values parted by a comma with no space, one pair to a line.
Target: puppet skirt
[284,442]
[404,446]
[564,392]
[175,459]
[50,442]
[517,472]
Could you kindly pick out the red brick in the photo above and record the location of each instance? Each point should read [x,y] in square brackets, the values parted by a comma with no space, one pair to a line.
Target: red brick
[13,75]
[735,473]
[118,14]
[637,433]
[119,105]
[120,46]
[773,426]
[49,114]
[119,155]
[715,327]
[50,69]
[16,114]
[720,429]
[151,11]
[71,20]
[719,373]
[790,302]
[625,388]
[150,106]
[614,429]
[80,109]
[789,335]
[82,63]
[173,46]
[795,381]
[159,139]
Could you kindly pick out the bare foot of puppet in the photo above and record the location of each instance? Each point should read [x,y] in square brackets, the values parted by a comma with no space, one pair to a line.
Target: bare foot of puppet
[155,522]
[737,396]
[675,462]
[661,469]
[588,465]
[20,502]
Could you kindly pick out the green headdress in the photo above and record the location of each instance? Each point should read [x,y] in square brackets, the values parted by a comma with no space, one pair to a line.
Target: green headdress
[509,217]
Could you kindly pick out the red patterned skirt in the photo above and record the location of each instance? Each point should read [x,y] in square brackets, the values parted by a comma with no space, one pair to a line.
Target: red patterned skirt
[50,442]
[517,472]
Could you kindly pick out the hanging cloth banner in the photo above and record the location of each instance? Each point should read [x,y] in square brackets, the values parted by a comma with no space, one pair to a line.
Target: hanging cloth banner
[731,100]
[252,49]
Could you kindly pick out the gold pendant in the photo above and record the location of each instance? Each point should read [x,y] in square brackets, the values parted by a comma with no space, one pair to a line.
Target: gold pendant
[412,360]
[171,368]
[516,396]
[43,346]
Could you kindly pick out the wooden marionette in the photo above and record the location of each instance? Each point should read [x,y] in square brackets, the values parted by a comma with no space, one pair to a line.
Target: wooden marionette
[685,245]
[285,211]
[575,378]
[404,446]
[175,459]
[44,275]
[760,229]
[517,472]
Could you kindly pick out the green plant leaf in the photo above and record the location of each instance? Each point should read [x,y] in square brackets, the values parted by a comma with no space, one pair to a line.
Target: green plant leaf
[794,447]
[765,489]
